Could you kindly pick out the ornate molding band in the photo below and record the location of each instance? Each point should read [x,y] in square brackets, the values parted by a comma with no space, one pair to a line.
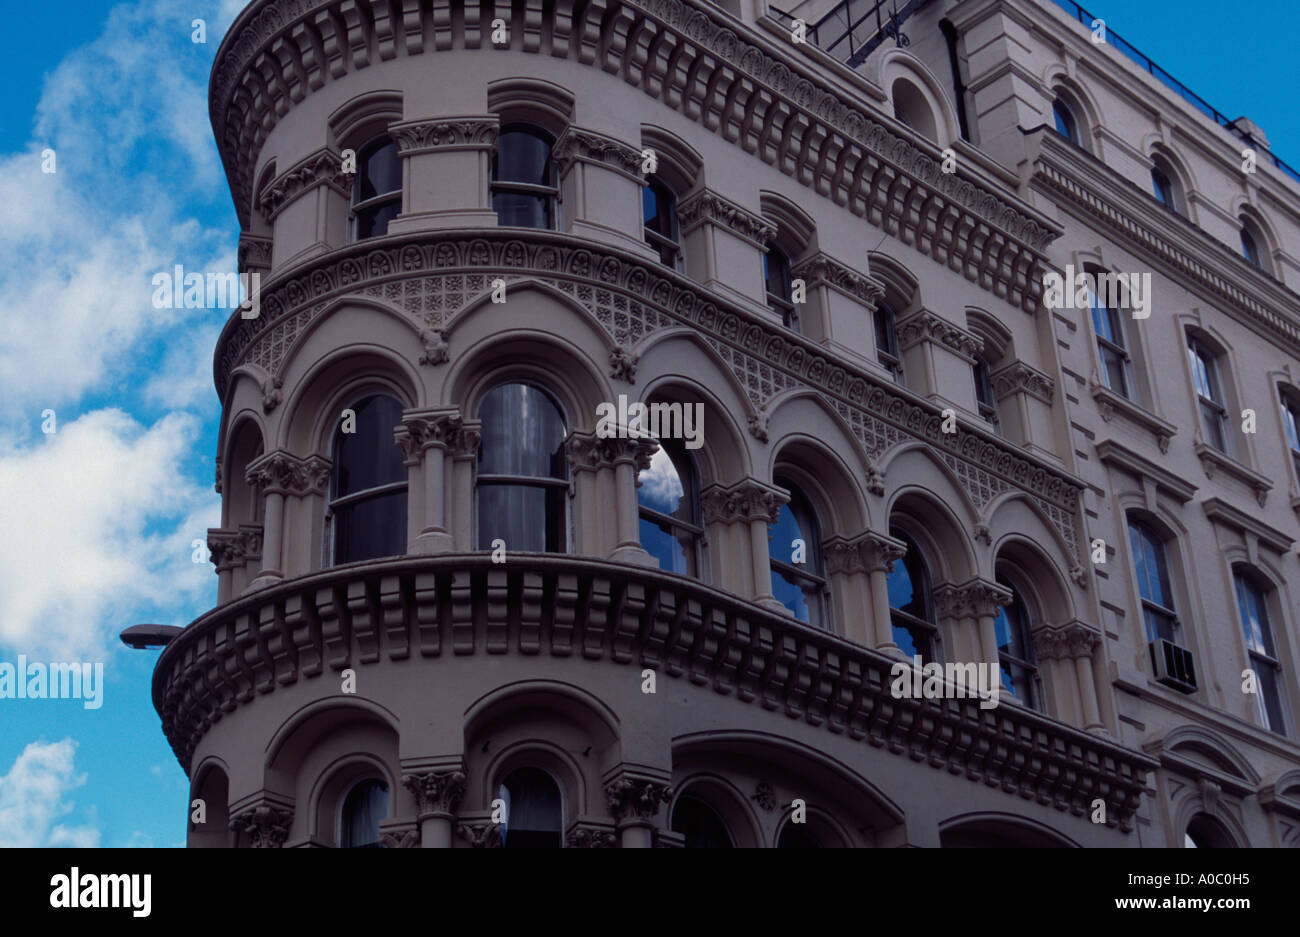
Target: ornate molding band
[708,206]
[444,133]
[324,167]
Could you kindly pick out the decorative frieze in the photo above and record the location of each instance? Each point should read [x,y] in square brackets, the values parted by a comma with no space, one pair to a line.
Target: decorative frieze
[266,825]
[480,834]
[924,325]
[1019,377]
[281,472]
[823,270]
[229,549]
[578,145]
[708,206]
[437,793]
[746,500]
[423,136]
[324,167]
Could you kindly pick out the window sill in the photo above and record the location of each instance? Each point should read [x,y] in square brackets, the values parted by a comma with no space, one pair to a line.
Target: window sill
[1213,460]
[1110,403]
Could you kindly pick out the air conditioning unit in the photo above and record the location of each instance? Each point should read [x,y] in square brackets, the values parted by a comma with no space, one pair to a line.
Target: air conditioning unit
[1173,665]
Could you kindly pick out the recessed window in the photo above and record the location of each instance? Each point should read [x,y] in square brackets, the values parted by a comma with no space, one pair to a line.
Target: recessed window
[363,807]
[1066,125]
[659,211]
[377,189]
[1209,393]
[1252,604]
[522,482]
[985,399]
[796,535]
[1291,415]
[776,279]
[1152,572]
[1204,832]
[1112,347]
[887,341]
[534,812]
[668,497]
[1163,188]
[524,189]
[699,824]
[911,607]
[366,515]
[1016,649]
[1250,249]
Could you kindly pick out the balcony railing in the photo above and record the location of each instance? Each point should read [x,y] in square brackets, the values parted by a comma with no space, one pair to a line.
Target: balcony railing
[436,612]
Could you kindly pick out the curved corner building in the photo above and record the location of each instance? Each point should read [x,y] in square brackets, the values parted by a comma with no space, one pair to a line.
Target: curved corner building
[635,383]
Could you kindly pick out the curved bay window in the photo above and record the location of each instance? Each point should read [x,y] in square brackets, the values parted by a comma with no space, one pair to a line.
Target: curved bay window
[795,551]
[1152,571]
[669,500]
[699,824]
[1016,649]
[366,516]
[911,606]
[363,807]
[377,189]
[659,214]
[522,479]
[534,812]
[524,188]
[887,341]
[1252,603]
[777,283]
[1209,393]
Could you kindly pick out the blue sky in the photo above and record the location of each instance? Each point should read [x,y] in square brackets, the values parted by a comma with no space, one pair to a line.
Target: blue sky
[98,518]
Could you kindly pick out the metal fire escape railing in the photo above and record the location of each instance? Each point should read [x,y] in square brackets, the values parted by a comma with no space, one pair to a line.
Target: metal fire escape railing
[856,28]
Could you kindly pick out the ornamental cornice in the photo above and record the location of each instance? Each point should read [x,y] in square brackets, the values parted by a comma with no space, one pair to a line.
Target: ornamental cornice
[280,472]
[821,269]
[746,500]
[975,598]
[324,167]
[924,325]
[708,206]
[445,133]
[431,276]
[577,144]
[1019,377]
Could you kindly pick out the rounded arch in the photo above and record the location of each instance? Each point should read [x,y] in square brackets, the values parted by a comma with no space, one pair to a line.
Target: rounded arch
[918,98]
[245,441]
[821,825]
[1203,745]
[316,720]
[1036,576]
[544,755]
[726,800]
[902,288]
[210,783]
[1253,221]
[920,508]
[1000,830]
[677,162]
[796,231]
[1058,83]
[810,443]
[326,799]
[723,456]
[1168,161]
[576,703]
[1016,511]
[997,338]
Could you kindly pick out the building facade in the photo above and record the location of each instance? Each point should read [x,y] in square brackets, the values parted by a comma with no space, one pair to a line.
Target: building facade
[464,602]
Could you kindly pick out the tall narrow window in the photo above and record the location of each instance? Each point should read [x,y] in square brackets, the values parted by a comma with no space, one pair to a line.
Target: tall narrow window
[522,480]
[1252,603]
[1112,349]
[524,190]
[1291,414]
[669,499]
[887,341]
[910,603]
[1250,249]
[1152,573]
[377,189]
[1163,188]
[534,812]
[1209,393]
[1016,649]
[1066,125]
[659,210]
[699,824]
[985,399]
[776,277]
[367,507]
[795,549]
[363,807]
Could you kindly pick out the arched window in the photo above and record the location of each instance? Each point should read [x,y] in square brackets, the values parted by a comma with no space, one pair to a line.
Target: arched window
[911,605]
[377,189]
[659,211]
[1204,832]
[669,499]
[799,586]
[522,480]
[776,279]
[1252,240]
[363,807]
[1152,572]
[367,508]
[1016,649]
[1066,125]
[524,190]
[1252,603]
[699,824]
[1291,415]
[887,341]
[534,813]
[1209,393]
[797,836]
[1112,346]
[912,108]
[1162,185]
[985,399]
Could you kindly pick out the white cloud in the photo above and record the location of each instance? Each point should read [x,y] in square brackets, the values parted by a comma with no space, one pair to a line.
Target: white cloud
[99,519]
[33,798]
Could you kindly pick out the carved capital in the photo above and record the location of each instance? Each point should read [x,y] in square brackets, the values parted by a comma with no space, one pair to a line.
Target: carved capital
[636,799]
[587,837]
[423,136]
[324,167]
[480,834]
[1018,377]
[1079,638]
[427,429]
[280,472]
[266,825]
[578,145]
[589,452]
[437,793]
[399,839]
[879,552]
[464,443]
[819,269]
[708,206]
[230,548]
[923,326]
[254,253]
[972,599]
[747,500]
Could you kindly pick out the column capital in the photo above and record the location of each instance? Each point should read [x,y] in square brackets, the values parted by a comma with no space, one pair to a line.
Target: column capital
[975,598]
[589,453]
[635,800]
[464,443]
[707,206]
[823,270]
[280,472]
[234,547]
[578,145]
[425,429]
[437,793]
[924,325]
[746,500]
[879,551]
[469,132]
[265,825]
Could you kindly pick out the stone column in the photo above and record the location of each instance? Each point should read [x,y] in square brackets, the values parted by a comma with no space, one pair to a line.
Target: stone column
[634,803]
[937,358]
[1081,641]
[1052,651]
[741,513]
[724,244]
[437,795]
[971,611]
[629,458]
[600,179]
[605,479]
[447,165]
[277,475]
[879,553]
[458,488]
[231,551]
[425,436]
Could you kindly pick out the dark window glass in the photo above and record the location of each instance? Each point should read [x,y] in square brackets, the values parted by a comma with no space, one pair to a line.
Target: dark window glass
[887,341]
[1252,603]
[363,807]
[985,399]
[1209,391]
[1107,322]
[659,213]
[524,190]
[796,836]
[367,509]
[1291,415]
[1016,649]
[699,824]
[377,189]
[1204,832]
[800,587]
[534,816]
[911,607]
[1152,574]
[1065,124]
[668,496]
[1249,249]
[776,278]
[1163,187]
[522,482]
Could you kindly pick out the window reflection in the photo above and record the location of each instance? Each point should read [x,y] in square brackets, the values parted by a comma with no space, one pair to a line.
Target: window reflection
[910,604]
[668,496]
[365,805]
[799,586]
[522,482]
[367,508]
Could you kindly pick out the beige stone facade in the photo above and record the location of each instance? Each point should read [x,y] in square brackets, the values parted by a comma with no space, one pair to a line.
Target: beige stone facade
[1103,506]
